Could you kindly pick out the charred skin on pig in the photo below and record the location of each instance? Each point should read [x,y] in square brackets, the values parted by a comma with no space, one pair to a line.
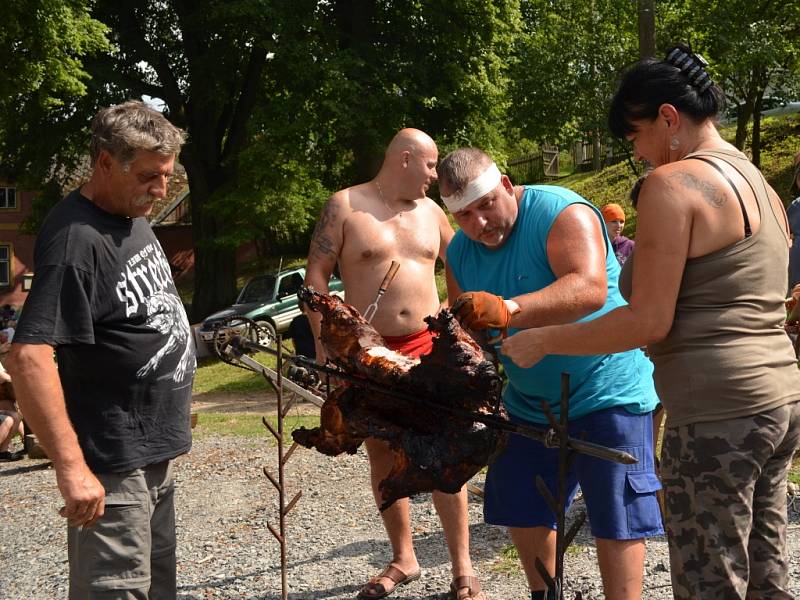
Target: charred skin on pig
[335,435]
[433,449]
[455,372]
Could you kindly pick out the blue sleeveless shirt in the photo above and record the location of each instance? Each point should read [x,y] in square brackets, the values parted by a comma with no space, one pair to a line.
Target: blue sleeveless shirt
[520,266]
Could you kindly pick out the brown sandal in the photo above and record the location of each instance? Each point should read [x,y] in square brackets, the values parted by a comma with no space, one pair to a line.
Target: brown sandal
[470,588]
[372,589]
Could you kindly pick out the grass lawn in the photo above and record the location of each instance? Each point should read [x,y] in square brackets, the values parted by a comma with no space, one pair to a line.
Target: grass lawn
[507,561]
[249,425]
[213,375]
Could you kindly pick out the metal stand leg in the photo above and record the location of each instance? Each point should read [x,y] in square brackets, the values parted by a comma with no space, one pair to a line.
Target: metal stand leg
[555,583]
[279,482]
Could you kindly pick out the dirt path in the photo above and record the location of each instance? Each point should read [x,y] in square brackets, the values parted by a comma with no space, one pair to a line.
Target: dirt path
[247,402]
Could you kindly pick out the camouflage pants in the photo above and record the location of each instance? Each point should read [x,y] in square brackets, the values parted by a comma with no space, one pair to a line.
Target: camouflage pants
[725,485]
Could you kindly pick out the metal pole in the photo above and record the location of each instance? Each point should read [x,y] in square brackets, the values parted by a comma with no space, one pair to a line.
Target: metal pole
[545,436]
[280,481]
[281,490]
[563,464]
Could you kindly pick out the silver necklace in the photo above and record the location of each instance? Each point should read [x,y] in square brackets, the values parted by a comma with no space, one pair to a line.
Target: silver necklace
[398,213]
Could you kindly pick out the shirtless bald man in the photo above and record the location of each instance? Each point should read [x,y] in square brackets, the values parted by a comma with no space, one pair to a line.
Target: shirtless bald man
[364,228]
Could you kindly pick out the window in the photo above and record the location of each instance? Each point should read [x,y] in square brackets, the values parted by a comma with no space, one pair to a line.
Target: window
[8,197]
[258,289]
[290,285]
[5,264]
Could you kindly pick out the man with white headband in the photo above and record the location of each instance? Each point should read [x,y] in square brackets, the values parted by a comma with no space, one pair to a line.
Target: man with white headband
[364,228]
[538,255]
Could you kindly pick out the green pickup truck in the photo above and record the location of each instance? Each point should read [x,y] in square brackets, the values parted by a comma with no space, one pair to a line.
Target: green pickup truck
[269,300]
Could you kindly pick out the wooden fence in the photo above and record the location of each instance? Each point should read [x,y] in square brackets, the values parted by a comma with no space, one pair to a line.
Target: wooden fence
[535,167]
[544,166]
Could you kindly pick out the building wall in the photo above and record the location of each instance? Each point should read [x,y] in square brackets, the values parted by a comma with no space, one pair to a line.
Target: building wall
[20,246]
[176,240]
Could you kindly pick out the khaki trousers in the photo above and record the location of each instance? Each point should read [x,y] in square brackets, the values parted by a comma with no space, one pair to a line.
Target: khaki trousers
[129,553]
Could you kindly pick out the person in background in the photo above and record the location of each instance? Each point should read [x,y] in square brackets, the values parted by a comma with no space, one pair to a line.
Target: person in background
[793,214]
[7,312]
[614,218]
[707,299]
[301,335]
[9,330]
[10,419]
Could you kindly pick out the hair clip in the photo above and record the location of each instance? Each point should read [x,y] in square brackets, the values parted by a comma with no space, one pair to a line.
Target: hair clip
[692,66]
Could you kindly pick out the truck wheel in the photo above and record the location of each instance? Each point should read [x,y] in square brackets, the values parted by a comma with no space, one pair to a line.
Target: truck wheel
[265,335]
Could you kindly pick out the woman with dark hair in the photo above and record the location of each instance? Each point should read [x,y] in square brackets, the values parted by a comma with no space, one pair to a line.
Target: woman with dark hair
[715,234]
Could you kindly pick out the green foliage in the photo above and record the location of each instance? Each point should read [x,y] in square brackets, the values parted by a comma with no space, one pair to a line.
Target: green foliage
[284,100]
[50,193]
[567,64]
[44,45]
[271,199]
[753,47]
[781,141]
[375,67]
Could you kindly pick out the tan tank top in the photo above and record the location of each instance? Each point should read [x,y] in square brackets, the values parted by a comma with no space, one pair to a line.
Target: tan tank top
[727,355]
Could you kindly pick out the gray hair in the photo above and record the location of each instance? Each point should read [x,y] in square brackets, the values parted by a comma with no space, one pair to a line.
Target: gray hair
[123,129]
[462,166]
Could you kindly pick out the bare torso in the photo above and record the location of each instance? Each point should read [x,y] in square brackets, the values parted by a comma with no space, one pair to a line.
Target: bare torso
[373,236]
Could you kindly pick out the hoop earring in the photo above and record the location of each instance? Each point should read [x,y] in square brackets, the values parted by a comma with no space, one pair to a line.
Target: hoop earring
[674,143]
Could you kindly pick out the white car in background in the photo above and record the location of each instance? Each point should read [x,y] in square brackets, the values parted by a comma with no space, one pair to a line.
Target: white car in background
[770,107]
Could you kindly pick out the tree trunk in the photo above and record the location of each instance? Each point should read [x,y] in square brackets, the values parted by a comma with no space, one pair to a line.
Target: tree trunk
[367,157]
[597,159]
[214,266]
[355,22]
[756,143]
[742,119]
[647,28]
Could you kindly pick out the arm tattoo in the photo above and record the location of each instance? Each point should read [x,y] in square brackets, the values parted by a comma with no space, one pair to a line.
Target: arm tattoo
[709,191]
[321,242]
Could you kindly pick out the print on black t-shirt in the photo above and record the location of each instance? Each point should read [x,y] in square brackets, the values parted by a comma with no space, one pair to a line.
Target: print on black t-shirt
[103,296]
[146,281]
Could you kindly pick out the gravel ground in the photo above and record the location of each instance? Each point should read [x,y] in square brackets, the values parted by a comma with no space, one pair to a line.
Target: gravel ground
[335,539]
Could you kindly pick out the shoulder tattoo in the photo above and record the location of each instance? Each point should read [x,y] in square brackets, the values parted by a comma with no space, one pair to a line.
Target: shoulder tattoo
[710,192]
[322,245]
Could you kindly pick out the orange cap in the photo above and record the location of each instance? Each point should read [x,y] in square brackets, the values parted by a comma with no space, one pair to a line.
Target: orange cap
[612,212]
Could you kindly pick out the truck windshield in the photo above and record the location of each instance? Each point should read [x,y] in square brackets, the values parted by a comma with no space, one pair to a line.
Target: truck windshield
[258,289]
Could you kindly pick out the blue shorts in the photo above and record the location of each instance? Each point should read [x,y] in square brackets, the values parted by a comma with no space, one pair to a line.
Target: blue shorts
[620,499]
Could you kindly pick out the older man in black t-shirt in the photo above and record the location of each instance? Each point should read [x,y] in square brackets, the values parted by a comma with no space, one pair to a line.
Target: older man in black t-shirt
[116,411]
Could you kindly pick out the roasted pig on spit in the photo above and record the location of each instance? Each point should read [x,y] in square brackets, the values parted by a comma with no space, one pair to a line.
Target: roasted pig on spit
[434,450]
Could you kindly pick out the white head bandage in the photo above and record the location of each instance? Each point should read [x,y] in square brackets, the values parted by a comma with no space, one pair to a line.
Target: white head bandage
[478,187]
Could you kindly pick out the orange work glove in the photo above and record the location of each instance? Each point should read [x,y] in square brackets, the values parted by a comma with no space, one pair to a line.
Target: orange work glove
[481,310]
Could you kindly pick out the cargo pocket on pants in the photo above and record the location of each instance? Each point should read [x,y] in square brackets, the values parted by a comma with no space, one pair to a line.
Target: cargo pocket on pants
[115,552]
[644,516]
